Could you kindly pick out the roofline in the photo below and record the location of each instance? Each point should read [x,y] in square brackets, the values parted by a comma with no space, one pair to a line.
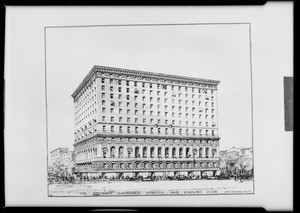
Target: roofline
[59,148]
[140,73]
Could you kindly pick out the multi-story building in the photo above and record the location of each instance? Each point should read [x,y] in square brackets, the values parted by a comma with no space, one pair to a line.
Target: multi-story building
[130,122]
[61,155]
[245,151]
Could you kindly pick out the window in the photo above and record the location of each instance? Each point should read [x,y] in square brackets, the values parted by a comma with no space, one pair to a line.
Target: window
[151,99]
[151,121]
[165,100]
[103,95]
[120,129]
[103,109]
[111,88]
[135,83]
[158,92]
[120,119]
[112,129]
[112,119]
[127,97]
[103,128]
[127,90]
[135,112]
[143,84]
[120,111]
[128,111]
[166,114]
[127,83]
[158,131]
[186,123]
[151,113]
[111,95]
[102,80]
[128,120]
[128,129]
[144,112]
[144,105]
[158,121]
[143,98]
[172,88]
[180,131]
[103,102]
[135,105]
[158,99]
[112,110]
[150,85]
[103,118]
[187,132]
[144,130]
[135,97]
[110,81]
[136,120]
[166,122]
[158,113]
[136,130]
[103,87]
[151,130]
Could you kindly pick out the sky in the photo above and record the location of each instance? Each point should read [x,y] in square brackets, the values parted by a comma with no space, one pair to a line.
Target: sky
[218,52]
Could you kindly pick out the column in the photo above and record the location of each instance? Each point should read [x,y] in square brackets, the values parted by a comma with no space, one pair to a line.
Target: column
[99,151]
[125,151]
[163,151]
[210,152]
[117,150]
[177,151]
[155,151]
[141,151]
[184,152]
[133,151]
[108,151]
[148,151]
[197,155]
[203,151]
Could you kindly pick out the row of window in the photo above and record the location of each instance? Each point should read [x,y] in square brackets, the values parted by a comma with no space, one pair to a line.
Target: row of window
[149,130]
[151,99]
[152,85]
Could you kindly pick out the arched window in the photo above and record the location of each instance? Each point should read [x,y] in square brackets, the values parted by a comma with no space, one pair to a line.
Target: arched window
[144,152]
[167,152]
[121,152]
[194,153]
[152,152]
[104,152]
[200,153]
[129,153]
[214,153]
[159,152]
[174,152]
[187,152]
[112,152]
[180,152]
[137,150]
[207,152]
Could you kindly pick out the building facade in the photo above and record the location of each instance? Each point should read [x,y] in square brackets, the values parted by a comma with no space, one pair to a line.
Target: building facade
[61,155]
[130,123]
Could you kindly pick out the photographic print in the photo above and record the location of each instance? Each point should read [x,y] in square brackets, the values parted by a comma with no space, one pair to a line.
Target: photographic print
[149,109]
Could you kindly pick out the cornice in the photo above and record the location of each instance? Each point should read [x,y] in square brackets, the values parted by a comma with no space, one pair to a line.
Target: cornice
[144,74]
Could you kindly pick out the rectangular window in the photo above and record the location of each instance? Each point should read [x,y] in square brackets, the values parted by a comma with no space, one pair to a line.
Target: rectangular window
[119,96]
[128,129]
[103,128]
[127,90]
[102,80]
[112,129]
[151,121]
[120,129]
[143,84]
[158,121]
[112,110]
[120,111]
[151,130]
[103,95]
[144,130]
[103,109]
[144,112]
[103,87]
[135,97]
[136,120]
[144,120]
[103,102]
[135,83]
[151,113]
[110,81]
[120,103]
[111,95]
[128,120]
[135,112]
[111,88]
[103,118]
[112,119]
[143,98]
[151,99]
[128,111]
[127,83]
[166,114]
[120,119]
[127,97]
